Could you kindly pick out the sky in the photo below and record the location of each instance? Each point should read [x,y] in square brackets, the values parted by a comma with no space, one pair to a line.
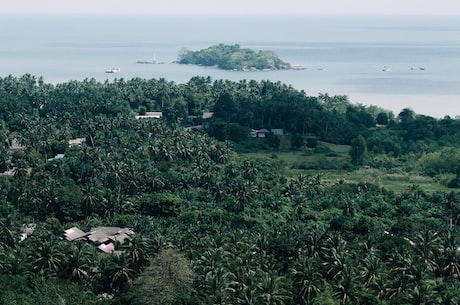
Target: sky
[302,7]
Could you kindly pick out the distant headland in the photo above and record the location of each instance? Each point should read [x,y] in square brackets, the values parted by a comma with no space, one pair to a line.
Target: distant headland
[233,57]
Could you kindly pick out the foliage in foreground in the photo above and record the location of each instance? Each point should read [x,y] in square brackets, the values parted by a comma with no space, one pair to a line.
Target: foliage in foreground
[212,227]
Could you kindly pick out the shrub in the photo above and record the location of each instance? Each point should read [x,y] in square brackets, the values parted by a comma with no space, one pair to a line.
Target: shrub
[159,204]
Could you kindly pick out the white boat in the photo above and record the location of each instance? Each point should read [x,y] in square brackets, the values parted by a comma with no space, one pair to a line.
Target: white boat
[386,69]
[113,70]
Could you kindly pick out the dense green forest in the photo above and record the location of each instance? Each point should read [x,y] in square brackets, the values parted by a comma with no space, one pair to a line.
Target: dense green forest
[233,57]
[219,216]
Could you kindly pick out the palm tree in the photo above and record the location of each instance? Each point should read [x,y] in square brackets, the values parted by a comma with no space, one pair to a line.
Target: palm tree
[14,261]
[384,288]
[7,237]
[338,258]
[217,287]
[212,259]
[452,209]
[250,169]
[122,277]
[422,295]
[244,192]
[273,289]
[408,270]
[219,190]
[92,196]
[347,289]
[157,242]
[47,258]
[156,180]
[372,268]
[77,262]
[427,245]
[316,242]
[306,279]
[136,252]
[450,256]
[20,166]
[121,274]
[245,288]
[247,296]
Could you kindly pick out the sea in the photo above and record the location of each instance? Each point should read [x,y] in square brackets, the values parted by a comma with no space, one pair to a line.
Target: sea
[393,62]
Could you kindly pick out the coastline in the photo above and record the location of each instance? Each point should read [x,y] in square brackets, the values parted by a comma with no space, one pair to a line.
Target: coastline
[341,56]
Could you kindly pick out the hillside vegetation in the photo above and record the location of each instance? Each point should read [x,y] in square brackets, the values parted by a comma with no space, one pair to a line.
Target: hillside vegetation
[348,205]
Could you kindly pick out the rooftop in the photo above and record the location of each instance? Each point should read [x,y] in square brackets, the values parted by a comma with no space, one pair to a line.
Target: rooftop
[76,141]
[104,238]
[150,115]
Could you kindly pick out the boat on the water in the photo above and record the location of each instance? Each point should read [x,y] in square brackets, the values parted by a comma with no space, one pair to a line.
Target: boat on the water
[386,69]
[113,70]
[146,62]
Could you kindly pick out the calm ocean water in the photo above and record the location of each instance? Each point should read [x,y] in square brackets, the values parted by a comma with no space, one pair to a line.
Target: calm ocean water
[342,55]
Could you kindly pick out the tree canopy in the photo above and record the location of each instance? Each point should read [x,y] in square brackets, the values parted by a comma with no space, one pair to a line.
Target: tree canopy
[233,57]
[214,225]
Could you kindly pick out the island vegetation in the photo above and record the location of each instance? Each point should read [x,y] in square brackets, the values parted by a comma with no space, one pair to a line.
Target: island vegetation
[233,57]
[349,204]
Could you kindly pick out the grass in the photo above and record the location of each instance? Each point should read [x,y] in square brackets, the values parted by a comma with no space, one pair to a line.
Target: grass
[339,149]
[310,163]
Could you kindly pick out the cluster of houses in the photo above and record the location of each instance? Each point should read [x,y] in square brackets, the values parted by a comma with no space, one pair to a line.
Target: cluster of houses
[17,146]
[103,238]
[255,133]
[71,143]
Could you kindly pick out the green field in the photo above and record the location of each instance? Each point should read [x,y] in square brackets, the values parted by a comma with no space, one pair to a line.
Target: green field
[396,180]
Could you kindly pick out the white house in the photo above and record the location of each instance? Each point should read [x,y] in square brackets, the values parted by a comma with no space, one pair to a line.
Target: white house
[150,115]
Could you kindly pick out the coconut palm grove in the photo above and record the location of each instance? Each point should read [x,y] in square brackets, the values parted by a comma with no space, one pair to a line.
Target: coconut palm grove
[145,191]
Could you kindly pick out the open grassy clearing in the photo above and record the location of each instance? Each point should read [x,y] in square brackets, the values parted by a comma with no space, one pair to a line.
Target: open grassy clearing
[309,163]
[393,182]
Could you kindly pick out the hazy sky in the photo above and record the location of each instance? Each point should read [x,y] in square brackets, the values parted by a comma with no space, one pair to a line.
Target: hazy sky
[370,7]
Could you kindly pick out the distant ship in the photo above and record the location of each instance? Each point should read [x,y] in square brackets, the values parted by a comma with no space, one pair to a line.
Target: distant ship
[113,70]
[386,69]
[146,62]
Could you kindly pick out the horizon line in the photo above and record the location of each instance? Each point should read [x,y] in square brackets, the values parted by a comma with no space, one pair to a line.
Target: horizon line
[456,14]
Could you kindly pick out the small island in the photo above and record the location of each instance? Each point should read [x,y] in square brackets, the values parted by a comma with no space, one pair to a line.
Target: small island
[233,57]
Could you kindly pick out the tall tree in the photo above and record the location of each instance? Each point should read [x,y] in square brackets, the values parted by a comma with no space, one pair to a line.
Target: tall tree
[358,150]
